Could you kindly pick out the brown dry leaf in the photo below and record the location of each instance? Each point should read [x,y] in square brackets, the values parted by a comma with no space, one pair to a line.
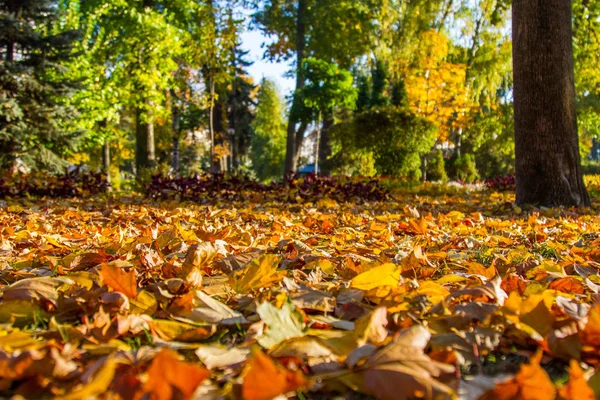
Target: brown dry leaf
[220,357]
[401,370]
[199,257]
[18,366]
[236,262]
[117,279]
[99,377]
[479,277]
[168,375]
[264,379]
[36,289]
[530,383]
[577,388]
[371,328]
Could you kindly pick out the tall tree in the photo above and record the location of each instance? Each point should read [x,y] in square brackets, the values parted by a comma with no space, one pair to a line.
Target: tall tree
[335,31]
[34,86]
[133,51]
[268,143]
[218,68]
[240,101]
[547,162]
[327,86]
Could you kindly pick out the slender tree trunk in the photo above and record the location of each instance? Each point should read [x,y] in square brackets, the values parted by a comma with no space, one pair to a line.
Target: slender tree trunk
[235,162]
[10,46]
[106,159]
[317,145]
[150,144]
[292,149]
[325,150]
[211,126]
[547,164]
[176,133]
[10,52]
[145,156]
[299,140]
[445,15]
[141,142]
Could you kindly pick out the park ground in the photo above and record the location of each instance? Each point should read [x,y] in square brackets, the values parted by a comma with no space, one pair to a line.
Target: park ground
[439,291]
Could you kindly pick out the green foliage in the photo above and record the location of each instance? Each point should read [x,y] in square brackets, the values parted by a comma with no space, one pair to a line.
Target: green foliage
[380,79]
[396,138]
[138,55]
[436,167]
[363,99]
[586,47]
[349,156]
[34,116]
[268,143]
[588,121]
[337,30]
[327,86]
[462,168]
[491,139]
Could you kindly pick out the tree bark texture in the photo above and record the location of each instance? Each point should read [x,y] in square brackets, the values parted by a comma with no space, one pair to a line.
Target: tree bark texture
[144,143]
[547,162]
[326,150]
[211,127]
[292,149]
[176,133]
[150,144]
[106,159]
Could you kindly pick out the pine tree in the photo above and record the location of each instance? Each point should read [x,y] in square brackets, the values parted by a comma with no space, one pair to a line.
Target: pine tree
[268,143]
[34,118]
[240,103]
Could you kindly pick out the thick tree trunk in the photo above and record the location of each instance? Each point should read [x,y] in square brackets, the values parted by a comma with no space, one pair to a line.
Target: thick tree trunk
[547,164]
[292,150]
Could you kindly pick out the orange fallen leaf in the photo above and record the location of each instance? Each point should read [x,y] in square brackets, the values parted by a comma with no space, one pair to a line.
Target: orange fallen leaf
[167,372]
[590,335]
[577,388]
[513,283]
[567,285]
[418,227]
[119,280]
[530,383]
[264,379]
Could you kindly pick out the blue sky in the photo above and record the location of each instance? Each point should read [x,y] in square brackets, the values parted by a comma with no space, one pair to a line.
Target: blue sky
[252,41]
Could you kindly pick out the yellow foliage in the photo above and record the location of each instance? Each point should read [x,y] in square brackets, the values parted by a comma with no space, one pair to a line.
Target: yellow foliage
[437,89]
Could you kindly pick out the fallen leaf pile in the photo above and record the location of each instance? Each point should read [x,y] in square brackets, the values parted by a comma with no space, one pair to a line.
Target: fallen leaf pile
[208,188]
[74,183]
[460,295]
